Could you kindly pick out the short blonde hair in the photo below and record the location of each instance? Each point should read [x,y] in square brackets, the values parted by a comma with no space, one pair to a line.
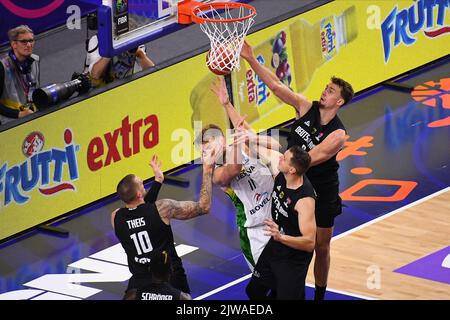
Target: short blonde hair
[209,131]
[13,33]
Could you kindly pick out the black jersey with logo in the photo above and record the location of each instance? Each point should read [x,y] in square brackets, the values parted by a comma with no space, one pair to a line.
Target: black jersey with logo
[284,213]
[307,132]
[140,231]
[158,291]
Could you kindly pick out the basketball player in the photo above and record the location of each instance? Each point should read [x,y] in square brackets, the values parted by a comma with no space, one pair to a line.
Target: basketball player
[283,264]
[244,178]
[160,288]
[143,227]
[291,284]
[318,130]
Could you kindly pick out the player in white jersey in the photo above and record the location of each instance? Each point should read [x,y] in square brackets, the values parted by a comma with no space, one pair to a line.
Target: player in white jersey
[246,179]
[250,192]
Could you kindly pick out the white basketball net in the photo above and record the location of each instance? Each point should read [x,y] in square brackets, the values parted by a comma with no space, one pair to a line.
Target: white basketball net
[226,37]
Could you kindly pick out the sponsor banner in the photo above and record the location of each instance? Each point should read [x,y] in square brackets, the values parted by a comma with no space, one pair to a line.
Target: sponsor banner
[76,155]
[363,42]
[39,15]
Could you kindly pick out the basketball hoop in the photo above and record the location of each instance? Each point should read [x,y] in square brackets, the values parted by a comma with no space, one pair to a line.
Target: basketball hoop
[225,23]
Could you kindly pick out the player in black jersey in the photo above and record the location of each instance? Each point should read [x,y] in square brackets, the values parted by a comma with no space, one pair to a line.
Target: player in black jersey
[160,288]
[143,226]
[318,130]
[284,262]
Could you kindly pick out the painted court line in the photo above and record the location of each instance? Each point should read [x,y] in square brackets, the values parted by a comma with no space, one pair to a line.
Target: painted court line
[345,293]
[203,296]
[387,215]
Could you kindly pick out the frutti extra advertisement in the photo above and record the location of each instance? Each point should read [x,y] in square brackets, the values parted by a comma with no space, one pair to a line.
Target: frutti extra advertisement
[76,155]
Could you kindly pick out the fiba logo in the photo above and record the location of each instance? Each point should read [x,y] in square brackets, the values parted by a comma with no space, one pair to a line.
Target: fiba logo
[122,20]
[33,143]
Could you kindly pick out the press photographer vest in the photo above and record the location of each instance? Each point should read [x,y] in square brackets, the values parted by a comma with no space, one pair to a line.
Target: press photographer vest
[17,90]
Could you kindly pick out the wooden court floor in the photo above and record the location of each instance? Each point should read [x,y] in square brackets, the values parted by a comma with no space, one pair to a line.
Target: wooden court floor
[363,261]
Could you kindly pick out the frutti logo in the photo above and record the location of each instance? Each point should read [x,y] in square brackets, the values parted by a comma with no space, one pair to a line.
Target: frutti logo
[328,38]
[402,26]
[261,88]
[43,169]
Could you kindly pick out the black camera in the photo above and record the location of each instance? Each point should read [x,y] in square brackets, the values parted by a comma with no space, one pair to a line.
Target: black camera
[54,93]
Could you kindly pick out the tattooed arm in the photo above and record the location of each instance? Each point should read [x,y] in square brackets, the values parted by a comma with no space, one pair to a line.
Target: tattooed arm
[182,210]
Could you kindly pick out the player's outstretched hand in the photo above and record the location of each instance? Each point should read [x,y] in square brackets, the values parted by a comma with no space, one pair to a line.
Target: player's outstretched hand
[220,90]
[247,51]
[156,167]
[209,155]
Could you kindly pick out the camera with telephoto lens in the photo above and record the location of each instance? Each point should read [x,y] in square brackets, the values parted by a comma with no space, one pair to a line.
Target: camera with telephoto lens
[48,96]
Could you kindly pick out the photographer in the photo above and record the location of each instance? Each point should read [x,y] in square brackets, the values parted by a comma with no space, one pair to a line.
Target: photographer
[104,70]
[19,74]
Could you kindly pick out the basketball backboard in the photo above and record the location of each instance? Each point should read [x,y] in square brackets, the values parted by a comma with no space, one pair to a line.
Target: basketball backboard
[126,24]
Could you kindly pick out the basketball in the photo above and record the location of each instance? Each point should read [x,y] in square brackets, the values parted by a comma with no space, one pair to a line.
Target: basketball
[219,62]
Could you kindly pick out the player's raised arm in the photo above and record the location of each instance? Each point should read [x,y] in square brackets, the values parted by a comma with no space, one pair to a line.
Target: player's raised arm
[283,92]
[152,193]
[212,138]
[270,157]
[219,88]
[182,210]
[328,148]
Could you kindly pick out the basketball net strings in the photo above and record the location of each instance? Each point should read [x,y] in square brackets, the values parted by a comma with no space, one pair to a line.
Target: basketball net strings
[227,38]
